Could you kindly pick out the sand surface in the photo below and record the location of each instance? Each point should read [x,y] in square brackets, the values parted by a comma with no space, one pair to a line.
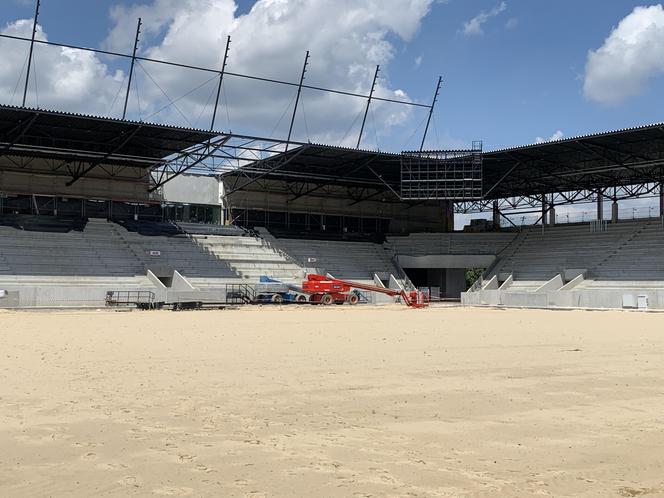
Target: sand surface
[332,402]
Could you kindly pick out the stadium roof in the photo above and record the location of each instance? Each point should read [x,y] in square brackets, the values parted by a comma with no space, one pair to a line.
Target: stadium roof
[76,137]
[326,164]
[603,160]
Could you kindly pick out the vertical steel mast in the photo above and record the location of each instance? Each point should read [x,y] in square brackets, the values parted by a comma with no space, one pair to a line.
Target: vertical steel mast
[433,105]
[366,110]
[32,48]
[131,69]
[221,80]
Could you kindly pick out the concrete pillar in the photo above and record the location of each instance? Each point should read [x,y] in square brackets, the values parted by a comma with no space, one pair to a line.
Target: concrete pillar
[552,215]
[600,205]
[496,216]
[447,216]
[614,212]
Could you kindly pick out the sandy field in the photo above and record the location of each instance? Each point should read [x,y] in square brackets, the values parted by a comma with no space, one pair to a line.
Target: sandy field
[354,402]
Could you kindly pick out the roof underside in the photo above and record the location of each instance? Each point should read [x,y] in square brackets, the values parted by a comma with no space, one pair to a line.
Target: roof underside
[614,159]
[49,134]
[327,164]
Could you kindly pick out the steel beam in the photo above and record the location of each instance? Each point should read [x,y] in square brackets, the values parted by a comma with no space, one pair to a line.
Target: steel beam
[99,161]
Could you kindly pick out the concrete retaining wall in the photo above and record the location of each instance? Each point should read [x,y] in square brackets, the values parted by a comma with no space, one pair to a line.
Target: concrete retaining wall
[575,298]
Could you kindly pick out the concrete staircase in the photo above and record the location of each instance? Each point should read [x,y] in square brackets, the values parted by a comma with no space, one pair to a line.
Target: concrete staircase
[345,260]
[250,257]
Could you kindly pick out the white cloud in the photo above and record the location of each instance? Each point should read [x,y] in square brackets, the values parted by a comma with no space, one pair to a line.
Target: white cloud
[512,23]
[418,61]
[61,78]
[559,135]
[475,25]
[269,40]
[629,57]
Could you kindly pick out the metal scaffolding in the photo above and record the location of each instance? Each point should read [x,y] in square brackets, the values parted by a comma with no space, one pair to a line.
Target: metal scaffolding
[452,175]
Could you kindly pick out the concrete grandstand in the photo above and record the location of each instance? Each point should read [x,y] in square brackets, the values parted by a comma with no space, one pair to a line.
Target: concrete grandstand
[91,204]
[79,218]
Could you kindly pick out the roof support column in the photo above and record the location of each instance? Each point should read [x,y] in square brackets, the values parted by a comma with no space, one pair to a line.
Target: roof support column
[661,199]
[544,210]
[552,213]
[496,216]
[614,207]
[600,205]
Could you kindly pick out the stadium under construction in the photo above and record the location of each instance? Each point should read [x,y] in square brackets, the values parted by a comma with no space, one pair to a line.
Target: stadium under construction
[91,205]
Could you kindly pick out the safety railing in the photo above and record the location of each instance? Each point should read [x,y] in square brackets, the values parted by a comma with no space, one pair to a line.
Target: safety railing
[123,298]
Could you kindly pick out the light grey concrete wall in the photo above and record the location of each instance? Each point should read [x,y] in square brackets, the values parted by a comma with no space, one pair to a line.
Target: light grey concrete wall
[96,185]
[491,284]
[180,283]
[418,218]
[556,283]
[193,189]
[577,298]
[507,283]
[574,282]
[61,296]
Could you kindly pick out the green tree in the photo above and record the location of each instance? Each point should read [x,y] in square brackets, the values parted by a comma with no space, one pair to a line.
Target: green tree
[472,276]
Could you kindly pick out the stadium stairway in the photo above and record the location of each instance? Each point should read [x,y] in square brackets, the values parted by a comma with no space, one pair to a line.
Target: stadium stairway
[359,261]
[250,257]
[163,248]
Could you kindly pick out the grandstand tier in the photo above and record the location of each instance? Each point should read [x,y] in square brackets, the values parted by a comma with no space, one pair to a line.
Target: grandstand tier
[575,265]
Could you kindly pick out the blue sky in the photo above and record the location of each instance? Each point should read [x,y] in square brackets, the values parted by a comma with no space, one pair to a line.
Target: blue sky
[520,78]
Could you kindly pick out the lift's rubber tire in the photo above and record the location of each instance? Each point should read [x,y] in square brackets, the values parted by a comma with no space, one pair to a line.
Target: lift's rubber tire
[353,299]
[277,299]
[327,299]
[301,298]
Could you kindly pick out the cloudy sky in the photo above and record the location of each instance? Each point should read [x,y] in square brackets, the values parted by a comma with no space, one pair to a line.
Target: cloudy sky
[516,71]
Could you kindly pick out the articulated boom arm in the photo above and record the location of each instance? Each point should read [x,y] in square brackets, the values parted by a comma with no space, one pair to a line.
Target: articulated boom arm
[412,299]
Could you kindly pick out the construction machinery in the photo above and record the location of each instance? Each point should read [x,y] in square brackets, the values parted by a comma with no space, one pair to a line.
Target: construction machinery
[328,290]
[269,290]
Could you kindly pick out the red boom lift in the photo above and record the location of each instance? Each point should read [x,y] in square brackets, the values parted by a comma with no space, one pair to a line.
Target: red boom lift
[324,290]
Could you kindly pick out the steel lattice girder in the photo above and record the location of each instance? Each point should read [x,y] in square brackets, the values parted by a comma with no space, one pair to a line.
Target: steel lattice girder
[621,193]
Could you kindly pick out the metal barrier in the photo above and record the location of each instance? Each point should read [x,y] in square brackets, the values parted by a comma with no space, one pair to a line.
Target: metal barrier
[122,298]
[597,226]
[240,294]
